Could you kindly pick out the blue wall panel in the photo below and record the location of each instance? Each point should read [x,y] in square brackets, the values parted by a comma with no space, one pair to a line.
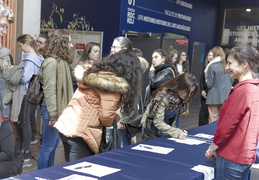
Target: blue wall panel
[103,15]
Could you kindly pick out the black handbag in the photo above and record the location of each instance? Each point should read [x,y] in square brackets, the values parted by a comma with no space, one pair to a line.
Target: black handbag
[113,142]
[134,128]
[150,130]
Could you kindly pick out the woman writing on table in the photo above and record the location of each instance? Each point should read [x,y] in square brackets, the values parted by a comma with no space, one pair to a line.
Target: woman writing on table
[236,137]
[167,103]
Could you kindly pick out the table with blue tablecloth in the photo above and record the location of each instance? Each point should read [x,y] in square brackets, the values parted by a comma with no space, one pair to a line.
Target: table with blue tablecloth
[129,163]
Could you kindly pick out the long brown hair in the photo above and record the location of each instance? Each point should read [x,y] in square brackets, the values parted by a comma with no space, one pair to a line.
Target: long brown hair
[185,63]
[183,82]
[58,46]
[88,48]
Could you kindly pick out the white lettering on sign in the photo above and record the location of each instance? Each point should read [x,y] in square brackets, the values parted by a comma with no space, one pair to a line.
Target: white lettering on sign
[184,4]
[242,33]
[130,16]
[163,23]
[253,28]
[132,2]
[244,40]
[178,15]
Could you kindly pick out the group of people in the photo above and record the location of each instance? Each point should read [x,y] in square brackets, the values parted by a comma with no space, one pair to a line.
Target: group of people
[78,101]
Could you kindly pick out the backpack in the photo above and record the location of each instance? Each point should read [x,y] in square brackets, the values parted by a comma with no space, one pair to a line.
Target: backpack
[35,92]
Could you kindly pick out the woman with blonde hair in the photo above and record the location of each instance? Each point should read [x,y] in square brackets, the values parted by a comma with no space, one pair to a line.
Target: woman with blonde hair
[218,81]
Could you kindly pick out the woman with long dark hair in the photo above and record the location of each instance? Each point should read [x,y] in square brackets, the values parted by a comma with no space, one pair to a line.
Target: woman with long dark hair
[102,90]
[167,103]
[91,52]
[160,71]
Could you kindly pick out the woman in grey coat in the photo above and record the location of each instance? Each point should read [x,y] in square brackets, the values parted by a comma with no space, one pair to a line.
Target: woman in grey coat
[218,82]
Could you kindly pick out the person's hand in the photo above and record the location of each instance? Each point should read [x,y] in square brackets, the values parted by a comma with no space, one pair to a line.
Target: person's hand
[211,152]
[182,134]
[51,123]
[123,125]
[204,94]
[9,66]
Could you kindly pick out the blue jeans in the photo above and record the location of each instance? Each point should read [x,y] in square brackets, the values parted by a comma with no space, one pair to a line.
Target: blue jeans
[5,111]
[228,170]
[125,139]
[50,141]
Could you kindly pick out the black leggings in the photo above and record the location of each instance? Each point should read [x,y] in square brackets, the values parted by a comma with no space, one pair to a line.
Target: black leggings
[75,148]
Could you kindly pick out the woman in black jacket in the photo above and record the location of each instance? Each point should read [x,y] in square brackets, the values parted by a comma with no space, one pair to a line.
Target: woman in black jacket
[204,113]
[160,72]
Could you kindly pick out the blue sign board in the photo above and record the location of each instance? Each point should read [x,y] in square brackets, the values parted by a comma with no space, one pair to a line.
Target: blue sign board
[157,16]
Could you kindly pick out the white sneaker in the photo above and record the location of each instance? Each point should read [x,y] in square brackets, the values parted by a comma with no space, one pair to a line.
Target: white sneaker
[34,141]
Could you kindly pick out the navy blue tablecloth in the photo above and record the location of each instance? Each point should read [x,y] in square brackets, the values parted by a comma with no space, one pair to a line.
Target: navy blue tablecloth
[135,164]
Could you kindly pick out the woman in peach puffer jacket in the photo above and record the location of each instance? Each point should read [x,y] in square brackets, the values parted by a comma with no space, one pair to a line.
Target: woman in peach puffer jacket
[102,90]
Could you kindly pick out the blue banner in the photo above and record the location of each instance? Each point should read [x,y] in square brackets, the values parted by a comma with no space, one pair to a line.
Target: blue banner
[157,16]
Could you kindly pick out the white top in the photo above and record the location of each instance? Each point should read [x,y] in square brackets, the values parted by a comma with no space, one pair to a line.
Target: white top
[179,68]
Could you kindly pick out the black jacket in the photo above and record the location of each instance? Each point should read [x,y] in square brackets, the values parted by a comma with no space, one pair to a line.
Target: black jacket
[157,77]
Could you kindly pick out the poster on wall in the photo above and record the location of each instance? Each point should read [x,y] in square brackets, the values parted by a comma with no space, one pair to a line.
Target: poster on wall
[240,27]
[156,15]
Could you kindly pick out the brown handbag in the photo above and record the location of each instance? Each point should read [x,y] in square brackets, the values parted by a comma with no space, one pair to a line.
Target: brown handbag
[35,92]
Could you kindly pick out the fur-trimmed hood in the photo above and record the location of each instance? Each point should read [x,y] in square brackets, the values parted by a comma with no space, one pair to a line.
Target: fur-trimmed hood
[102,80]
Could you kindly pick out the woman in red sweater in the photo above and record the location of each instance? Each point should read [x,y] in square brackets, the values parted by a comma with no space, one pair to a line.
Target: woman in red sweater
[236,136]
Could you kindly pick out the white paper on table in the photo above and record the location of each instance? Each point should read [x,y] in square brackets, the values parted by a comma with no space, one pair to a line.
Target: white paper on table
[205,136]
[76,177]
[91,168]
[189,141]
[154,149]
[206,170]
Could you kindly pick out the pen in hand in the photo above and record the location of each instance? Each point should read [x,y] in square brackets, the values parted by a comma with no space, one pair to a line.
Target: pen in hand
[183,134]
[82,167]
